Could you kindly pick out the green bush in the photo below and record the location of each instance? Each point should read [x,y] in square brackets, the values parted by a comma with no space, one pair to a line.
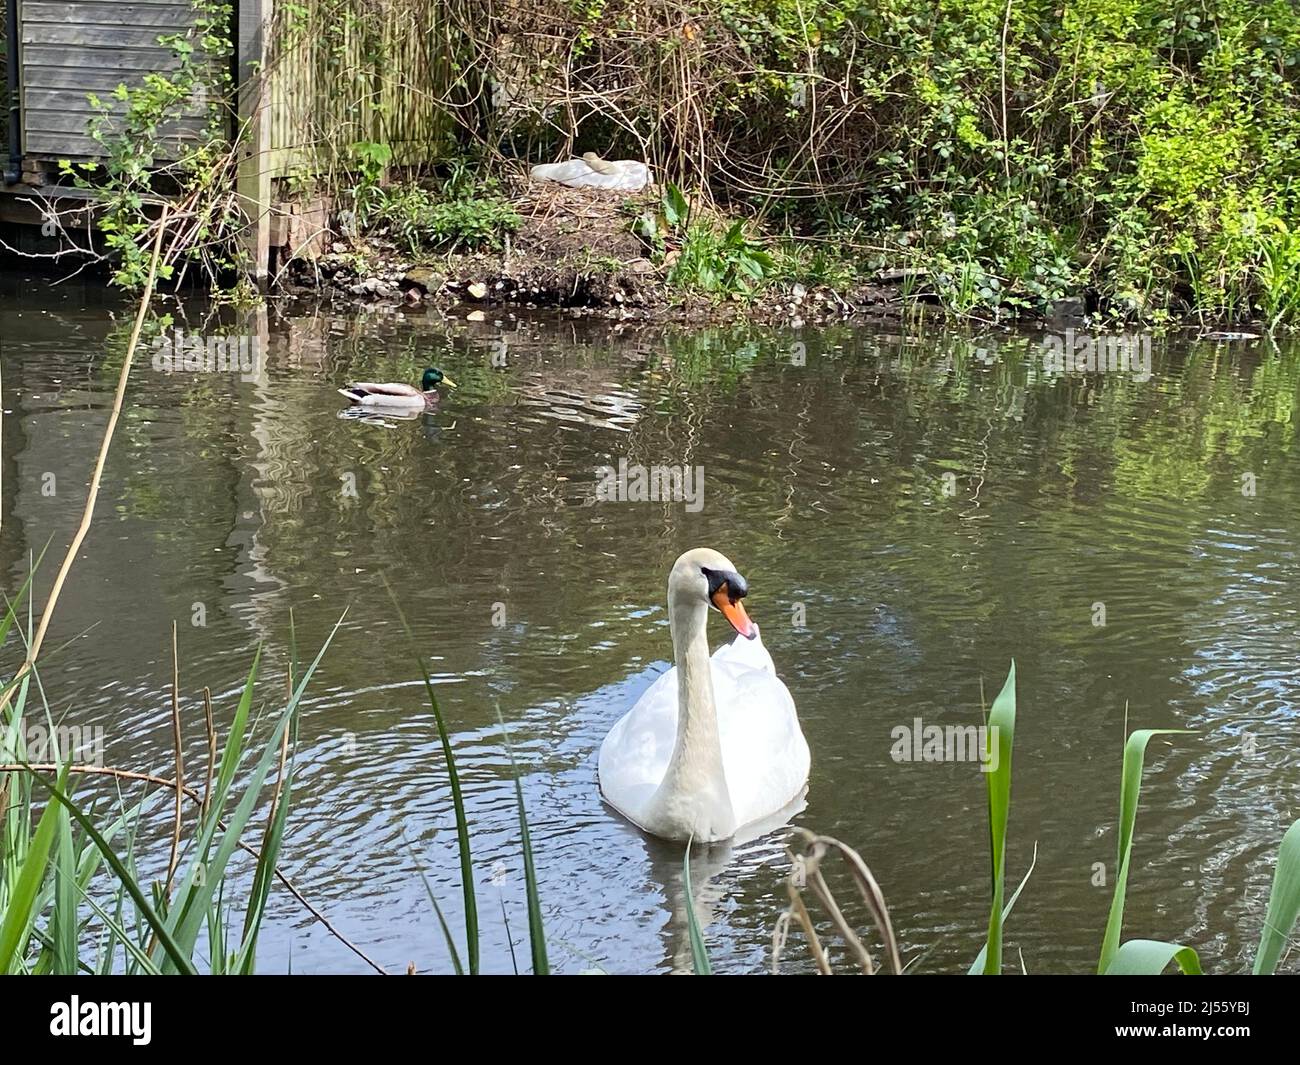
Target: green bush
[702,253]
[1146,149]
[422,221]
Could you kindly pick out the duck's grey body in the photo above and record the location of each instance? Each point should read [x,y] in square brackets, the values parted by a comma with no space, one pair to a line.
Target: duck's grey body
[390,396]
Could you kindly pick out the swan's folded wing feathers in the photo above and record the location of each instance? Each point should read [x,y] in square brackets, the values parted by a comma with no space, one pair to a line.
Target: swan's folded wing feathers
[764,753]
[634,756]
[748,654]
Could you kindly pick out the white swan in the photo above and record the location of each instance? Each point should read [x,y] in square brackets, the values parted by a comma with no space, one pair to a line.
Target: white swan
[593,172]
[715,743]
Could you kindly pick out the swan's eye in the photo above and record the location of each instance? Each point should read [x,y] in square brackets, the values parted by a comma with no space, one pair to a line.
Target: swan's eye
[737,586]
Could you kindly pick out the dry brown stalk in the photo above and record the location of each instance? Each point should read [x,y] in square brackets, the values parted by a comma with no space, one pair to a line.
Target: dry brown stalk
[807,853]
[180,765]
[92,494]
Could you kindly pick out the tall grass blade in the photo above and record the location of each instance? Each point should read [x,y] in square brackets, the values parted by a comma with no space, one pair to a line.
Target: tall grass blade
[128,880]
[977,966]
[699,953]
[235,739]
[457,802]
[536,932]
[442,921]
[65,923]
[264,875]
[462,828]
[120,935]
[999,740]
[198,869]
[1283,904]
[1130,789]
[20,909]
[205,876]
[11,606]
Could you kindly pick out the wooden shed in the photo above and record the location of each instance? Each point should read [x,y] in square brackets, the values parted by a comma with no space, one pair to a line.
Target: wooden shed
[308,85]
[70,49]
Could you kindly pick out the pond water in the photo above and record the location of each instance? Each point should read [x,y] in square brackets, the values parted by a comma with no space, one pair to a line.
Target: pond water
[913,507]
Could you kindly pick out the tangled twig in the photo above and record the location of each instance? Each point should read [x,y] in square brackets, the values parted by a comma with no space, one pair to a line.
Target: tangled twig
[806,873]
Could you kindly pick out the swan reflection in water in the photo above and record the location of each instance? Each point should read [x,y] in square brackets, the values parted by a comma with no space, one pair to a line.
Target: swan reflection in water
[718,870]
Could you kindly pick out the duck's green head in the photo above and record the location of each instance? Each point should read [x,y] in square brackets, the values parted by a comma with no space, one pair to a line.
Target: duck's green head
[433,378]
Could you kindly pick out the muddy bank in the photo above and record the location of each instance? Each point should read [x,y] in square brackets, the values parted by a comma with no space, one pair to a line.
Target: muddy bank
[574,250]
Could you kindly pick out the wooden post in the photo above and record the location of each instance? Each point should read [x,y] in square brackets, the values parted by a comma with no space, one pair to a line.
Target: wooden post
[253,182]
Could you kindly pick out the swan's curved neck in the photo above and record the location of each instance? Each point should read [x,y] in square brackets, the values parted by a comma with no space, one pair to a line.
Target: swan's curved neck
[694,788]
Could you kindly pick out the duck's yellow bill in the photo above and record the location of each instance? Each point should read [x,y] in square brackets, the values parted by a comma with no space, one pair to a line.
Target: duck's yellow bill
[448,381]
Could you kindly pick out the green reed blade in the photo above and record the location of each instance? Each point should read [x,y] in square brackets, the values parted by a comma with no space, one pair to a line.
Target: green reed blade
[699,953]
[128,881]
[1130,789]
[442,921]
[977,966]
[457,802]
[462,827]
[1149,957]
[1283,904]
[16,927]
[536,931]
[64,920]
[234,740]
[264,874]
[119,935]
[999,738]
[203,878]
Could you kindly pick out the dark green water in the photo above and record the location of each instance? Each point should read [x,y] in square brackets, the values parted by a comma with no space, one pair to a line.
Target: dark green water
[824,481]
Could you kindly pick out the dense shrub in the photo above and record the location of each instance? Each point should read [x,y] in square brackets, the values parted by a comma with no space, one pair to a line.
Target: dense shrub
[1017,150]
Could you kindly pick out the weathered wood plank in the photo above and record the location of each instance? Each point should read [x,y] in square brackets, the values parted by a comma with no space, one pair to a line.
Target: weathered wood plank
[109,13]
[85,36]
[75,47]
[75,5]
[101,80]
[73,101]
[144,60]
[39,121]
[61,145]
[55,146]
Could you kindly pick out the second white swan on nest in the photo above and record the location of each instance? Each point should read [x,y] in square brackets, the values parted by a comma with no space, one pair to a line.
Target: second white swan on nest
[714,744]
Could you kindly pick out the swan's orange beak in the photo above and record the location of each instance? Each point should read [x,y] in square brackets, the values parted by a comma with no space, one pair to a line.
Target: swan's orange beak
[734,612]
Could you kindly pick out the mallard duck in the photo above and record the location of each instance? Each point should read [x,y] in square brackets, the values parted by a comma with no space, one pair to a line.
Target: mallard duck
[391,396]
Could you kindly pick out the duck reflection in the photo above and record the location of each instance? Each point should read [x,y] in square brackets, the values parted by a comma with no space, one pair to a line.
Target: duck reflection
[388,419]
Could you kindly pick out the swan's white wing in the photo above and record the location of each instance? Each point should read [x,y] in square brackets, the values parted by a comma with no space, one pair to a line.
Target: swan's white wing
[764,754]
[569,172]
[634,756]
[628,175]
